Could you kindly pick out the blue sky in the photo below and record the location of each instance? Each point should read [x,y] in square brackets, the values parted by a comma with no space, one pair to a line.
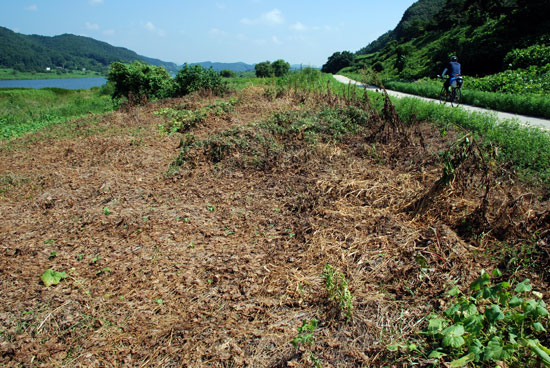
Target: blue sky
[299,31]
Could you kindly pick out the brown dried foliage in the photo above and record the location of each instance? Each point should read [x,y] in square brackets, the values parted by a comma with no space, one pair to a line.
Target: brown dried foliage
[219,265]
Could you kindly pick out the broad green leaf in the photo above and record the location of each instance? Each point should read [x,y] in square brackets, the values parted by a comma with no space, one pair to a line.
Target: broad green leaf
[454,291]
[436,354]
[495,351]
[530,306]
[474,324]
[463,361]
[541,310]
[435,325]
[452,336]
[489,292]
[494,314]
[518,317]
[51,277]
[481,281]
[537,294]
[515,301]
[538,327]
[496,272]
[476,347]
[469,310]
[452,311]
[503,297]
[539,350]
[523,286]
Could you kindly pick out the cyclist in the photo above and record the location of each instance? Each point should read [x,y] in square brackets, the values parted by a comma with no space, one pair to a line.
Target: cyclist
[453,68]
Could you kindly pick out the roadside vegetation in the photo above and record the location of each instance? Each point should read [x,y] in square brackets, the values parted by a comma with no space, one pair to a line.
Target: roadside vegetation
[521,89]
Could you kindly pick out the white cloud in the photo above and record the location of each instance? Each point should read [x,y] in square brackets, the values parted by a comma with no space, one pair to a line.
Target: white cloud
[95,2]
[298,26]
[271,18]
[91,26]
[153,29]
[276,40]
[218,33]
[109,32]
[32,7]
[221,6]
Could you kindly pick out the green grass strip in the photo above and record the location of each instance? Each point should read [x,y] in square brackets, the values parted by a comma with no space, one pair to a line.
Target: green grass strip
[27,110]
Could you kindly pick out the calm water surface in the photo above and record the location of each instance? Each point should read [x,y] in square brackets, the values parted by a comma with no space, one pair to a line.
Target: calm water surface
[68,83]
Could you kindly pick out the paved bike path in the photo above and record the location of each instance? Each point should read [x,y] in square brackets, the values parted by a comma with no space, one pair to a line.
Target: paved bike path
[525,120]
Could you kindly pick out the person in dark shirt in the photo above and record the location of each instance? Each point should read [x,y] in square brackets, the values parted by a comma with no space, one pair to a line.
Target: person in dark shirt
[453,70]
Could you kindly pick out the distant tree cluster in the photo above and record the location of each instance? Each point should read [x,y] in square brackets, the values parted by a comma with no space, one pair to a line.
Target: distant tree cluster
[338,61]
[139,81]
[267,69]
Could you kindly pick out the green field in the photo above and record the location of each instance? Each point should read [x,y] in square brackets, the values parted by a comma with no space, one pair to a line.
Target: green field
[26,110]
[12,74]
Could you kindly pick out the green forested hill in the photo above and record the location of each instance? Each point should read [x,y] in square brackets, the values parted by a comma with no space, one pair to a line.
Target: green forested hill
[482,33]
[66,52]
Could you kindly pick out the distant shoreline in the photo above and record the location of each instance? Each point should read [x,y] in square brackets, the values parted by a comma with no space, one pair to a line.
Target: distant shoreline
[8,74]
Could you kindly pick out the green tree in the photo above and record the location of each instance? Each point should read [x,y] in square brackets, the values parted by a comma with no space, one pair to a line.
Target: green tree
[227,73]
[338,61]
[280,67]
[137,80]
[264,69]
[195,78]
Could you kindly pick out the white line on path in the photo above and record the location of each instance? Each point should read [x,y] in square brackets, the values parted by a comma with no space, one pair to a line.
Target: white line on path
[525,120]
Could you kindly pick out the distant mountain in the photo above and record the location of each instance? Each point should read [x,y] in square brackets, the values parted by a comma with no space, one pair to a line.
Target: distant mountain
[482,33]
[64,52]
[236,67]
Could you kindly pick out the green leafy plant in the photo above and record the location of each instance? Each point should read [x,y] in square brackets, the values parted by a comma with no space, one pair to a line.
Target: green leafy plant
[51,277]
[305,333]
[337,287]
[306,337]
[495,323]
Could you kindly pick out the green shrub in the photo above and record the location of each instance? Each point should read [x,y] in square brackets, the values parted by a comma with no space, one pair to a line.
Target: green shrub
[139,80]
[196,78]
[535,55]
[227,73]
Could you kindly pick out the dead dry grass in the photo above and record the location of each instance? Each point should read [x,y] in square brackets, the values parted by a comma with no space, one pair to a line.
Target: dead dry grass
[219,265]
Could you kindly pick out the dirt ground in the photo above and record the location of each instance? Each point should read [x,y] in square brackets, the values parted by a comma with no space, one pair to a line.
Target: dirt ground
[219,265]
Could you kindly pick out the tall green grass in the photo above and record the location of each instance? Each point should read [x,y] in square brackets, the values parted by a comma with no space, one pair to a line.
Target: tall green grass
[526,148]
[27,110]
[531,105]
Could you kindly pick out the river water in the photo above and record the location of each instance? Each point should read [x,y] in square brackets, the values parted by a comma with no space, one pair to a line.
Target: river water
[67,83]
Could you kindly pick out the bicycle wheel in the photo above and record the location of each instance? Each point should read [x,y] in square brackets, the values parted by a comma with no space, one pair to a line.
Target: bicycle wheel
[443,95]
[457,96]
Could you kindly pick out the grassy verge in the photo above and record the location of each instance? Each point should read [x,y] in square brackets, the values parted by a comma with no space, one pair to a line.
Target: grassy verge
[527,149]
[11,74]
[529,104]
[26,110]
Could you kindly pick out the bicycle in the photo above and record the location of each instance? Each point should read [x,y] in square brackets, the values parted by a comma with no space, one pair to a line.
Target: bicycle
[455,95]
